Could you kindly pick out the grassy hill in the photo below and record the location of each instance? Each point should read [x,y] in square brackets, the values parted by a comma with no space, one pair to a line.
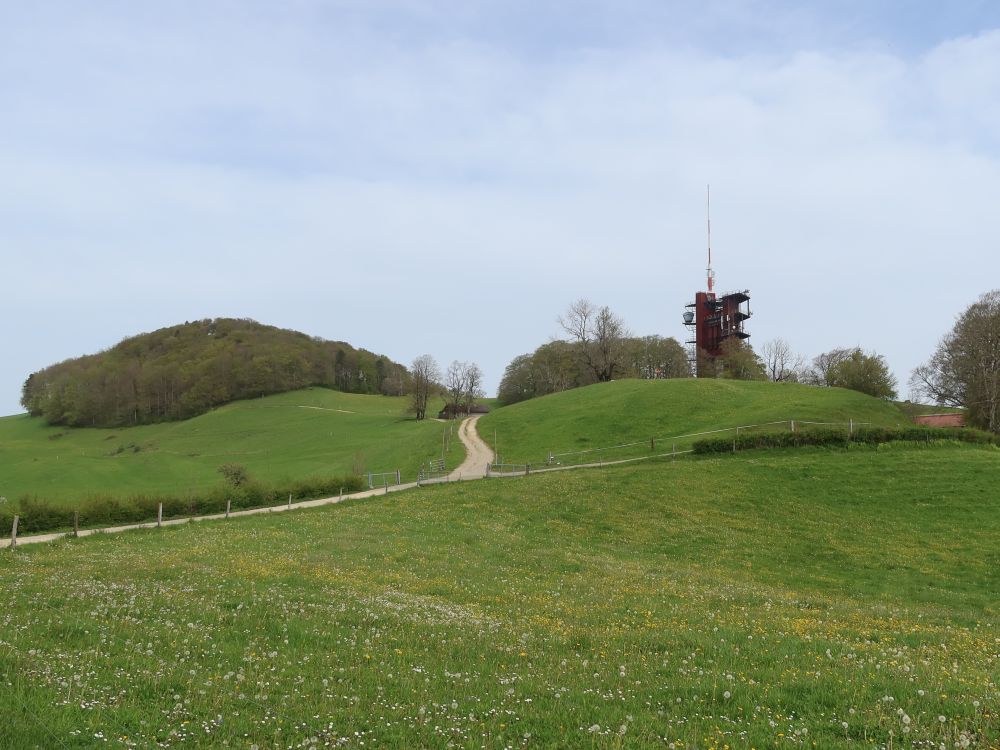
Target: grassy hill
[626,411]
[312,432]
[792,599]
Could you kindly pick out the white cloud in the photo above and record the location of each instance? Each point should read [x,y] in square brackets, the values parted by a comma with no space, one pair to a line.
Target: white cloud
[357,184]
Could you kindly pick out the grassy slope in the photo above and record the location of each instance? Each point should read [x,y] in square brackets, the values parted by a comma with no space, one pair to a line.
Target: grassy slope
[739,601]
[298,434]
[625,411]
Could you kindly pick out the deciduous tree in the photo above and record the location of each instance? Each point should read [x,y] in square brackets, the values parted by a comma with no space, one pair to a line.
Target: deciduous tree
[424,376]
[598,335]
[473,386]
[781,364]
[860,371]
[965,368]
[455,380]
[739,361]
[823,366]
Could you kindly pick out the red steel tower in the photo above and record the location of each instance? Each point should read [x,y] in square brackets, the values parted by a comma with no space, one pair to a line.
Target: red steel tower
[714,319]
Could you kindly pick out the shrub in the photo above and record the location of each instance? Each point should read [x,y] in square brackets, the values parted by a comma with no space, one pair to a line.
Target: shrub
[235,474]
[834,437]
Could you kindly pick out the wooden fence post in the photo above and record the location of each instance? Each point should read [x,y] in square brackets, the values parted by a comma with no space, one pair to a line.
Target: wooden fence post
[652,444]
[13,532]
[229,504]
[289,499]
[76,523]
[159,516]
[397,477]
[341,493]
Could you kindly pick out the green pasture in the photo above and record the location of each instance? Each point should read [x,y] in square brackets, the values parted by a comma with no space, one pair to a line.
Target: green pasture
[806,598]
[627,411]
[312,432]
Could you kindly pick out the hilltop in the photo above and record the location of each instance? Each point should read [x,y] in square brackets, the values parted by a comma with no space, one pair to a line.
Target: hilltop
[182,371]
[608,414]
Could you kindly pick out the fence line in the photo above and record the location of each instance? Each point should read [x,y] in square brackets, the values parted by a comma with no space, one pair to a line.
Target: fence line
[652,440]
[425,476]
[383,478]
[522,470]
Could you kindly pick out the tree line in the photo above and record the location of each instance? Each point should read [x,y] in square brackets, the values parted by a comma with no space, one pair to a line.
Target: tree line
[599,348]
[963,371]
[461,386]
[182,371]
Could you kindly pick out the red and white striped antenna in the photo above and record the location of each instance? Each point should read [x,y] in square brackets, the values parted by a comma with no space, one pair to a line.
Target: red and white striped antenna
[708,215]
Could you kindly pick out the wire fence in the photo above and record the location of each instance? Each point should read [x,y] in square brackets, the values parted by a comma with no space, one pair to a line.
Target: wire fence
[383,479]
[655,447]
[427,476]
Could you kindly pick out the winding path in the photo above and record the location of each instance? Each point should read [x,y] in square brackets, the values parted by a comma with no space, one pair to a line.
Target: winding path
[478,455]
[477,459]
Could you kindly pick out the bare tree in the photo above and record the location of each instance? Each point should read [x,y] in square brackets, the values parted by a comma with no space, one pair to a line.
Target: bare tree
[425,376]
[473,386]
[965,368]
[780,362]
[455,384]
[599,337]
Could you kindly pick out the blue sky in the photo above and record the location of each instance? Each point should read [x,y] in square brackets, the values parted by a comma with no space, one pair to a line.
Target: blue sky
[444,178]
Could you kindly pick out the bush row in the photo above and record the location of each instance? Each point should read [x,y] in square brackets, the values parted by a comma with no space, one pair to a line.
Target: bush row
[37,514]
[839,437]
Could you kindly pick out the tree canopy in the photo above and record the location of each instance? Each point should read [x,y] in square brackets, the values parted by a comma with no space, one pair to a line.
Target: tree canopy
[965,368]
[557,366]
[854,369]
[185,370]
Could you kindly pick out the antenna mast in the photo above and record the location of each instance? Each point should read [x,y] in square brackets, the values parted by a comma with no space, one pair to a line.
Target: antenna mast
[708,214]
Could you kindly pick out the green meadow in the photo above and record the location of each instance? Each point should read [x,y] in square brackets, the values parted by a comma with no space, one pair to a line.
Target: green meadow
[312,432]
[809,598]
[604,415]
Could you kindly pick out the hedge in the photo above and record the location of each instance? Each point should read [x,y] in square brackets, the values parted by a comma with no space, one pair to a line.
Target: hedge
[39,515]
[828,437]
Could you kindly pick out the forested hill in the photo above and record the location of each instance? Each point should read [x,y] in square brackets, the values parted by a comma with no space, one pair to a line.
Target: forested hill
[185,370]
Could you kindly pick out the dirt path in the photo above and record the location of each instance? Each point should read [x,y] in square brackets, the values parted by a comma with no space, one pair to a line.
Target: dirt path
[478,456]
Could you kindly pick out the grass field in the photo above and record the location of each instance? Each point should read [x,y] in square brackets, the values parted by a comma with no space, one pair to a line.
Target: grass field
[787,599]
[292,435]
[626,411]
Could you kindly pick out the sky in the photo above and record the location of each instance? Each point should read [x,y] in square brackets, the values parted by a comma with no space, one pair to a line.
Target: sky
[420,176]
